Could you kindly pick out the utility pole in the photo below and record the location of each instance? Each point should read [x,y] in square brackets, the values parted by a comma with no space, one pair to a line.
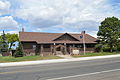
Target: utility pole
[83,33]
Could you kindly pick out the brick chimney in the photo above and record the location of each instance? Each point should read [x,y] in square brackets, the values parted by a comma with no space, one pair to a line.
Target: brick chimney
[22,29]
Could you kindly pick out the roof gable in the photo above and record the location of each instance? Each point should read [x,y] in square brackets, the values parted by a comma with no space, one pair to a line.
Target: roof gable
[65,37]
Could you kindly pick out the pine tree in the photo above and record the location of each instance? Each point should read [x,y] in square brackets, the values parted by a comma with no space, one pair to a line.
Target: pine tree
[109,32]
[3,44]
[19,51]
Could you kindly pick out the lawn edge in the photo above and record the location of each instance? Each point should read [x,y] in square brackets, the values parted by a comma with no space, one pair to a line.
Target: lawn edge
[55,61]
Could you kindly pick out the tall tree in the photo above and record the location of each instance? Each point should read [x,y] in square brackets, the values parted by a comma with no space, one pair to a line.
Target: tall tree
[19,51]
[109,32]
[3,43]
[12,38]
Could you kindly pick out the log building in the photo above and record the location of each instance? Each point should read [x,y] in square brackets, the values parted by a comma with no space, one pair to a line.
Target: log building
[40,43]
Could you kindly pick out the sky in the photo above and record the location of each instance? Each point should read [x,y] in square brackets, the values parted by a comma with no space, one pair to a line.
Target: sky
[56,16]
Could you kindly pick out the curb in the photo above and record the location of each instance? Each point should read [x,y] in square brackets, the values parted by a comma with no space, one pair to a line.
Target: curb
[55,61]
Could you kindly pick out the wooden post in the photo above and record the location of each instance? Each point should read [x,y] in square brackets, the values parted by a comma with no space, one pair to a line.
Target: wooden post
[51,48]
[41,51]
[54,49]
[70,50]
[65,48]
[73,45]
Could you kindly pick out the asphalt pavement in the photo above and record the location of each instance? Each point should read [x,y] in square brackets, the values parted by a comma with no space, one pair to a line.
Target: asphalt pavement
[98,69]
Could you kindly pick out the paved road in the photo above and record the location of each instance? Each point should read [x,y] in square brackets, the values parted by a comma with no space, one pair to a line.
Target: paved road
[100,69]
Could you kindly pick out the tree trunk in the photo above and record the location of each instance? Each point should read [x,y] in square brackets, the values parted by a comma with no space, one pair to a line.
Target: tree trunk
[10,46]
[111,47]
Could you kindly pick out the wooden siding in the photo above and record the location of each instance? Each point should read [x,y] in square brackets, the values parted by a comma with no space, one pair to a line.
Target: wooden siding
[28,45]
[46,49]
[66,37]
[28,48]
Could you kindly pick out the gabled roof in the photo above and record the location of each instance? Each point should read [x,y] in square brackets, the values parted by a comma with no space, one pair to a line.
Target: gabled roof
[68,35]
[42,37]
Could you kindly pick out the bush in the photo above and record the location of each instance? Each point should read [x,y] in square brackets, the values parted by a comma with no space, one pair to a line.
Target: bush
[19,51]
[18,54]
[98,47]
[105,48]
[118,46]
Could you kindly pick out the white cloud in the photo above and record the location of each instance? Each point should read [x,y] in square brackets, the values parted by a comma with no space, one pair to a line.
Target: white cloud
[37,12]
[4,7]
[8,22]
[11,32]
[93,33]
[65,15]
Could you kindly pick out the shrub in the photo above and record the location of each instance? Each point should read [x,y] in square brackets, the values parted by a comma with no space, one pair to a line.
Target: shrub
[118,46]
[106,48]
[98,47]
[19,51]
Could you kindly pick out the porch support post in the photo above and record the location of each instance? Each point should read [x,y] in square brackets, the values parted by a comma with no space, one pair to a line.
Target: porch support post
[65,48]
[54,50]
[51,48]
[70,50]
[41,49]
[73,45]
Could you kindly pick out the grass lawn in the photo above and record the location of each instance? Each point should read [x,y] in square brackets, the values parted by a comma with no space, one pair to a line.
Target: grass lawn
[94,54]
[25,58]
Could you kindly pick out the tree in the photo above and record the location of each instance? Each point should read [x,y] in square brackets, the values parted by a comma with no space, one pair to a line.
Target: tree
[98,48]
[19,51]
[109,32]
[118,45]
[3,43]
[12,38]
[0,43]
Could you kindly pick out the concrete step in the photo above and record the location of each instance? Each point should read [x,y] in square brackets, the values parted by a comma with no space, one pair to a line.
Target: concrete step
[59,53]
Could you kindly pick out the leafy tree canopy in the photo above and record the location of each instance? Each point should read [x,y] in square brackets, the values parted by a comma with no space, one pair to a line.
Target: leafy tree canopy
[12,38]
[109,32]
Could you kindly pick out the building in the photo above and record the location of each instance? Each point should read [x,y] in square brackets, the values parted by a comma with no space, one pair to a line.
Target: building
[40,43]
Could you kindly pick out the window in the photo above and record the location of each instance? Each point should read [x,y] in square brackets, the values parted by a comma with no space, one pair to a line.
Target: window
[34,46]
[90,45]
[46,46]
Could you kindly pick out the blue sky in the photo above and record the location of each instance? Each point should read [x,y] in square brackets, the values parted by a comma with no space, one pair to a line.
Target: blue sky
[56,16]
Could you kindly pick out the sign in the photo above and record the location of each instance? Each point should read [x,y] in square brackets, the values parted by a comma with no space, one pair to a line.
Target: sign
[81,37]
[75,51]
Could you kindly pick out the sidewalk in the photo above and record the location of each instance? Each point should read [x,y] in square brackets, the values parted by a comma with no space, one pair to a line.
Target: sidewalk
[65,56]
[55,60]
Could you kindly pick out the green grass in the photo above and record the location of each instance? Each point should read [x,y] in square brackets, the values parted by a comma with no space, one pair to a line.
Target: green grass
[94,54]
[33,58]
[25,58]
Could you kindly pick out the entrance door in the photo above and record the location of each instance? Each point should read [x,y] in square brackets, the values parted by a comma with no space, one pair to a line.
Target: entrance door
[60,49]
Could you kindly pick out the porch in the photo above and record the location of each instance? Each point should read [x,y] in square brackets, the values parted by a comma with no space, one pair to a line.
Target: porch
[62,49]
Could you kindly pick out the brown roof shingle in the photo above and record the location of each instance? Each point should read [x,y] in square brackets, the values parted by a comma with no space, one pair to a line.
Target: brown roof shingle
[42,37]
